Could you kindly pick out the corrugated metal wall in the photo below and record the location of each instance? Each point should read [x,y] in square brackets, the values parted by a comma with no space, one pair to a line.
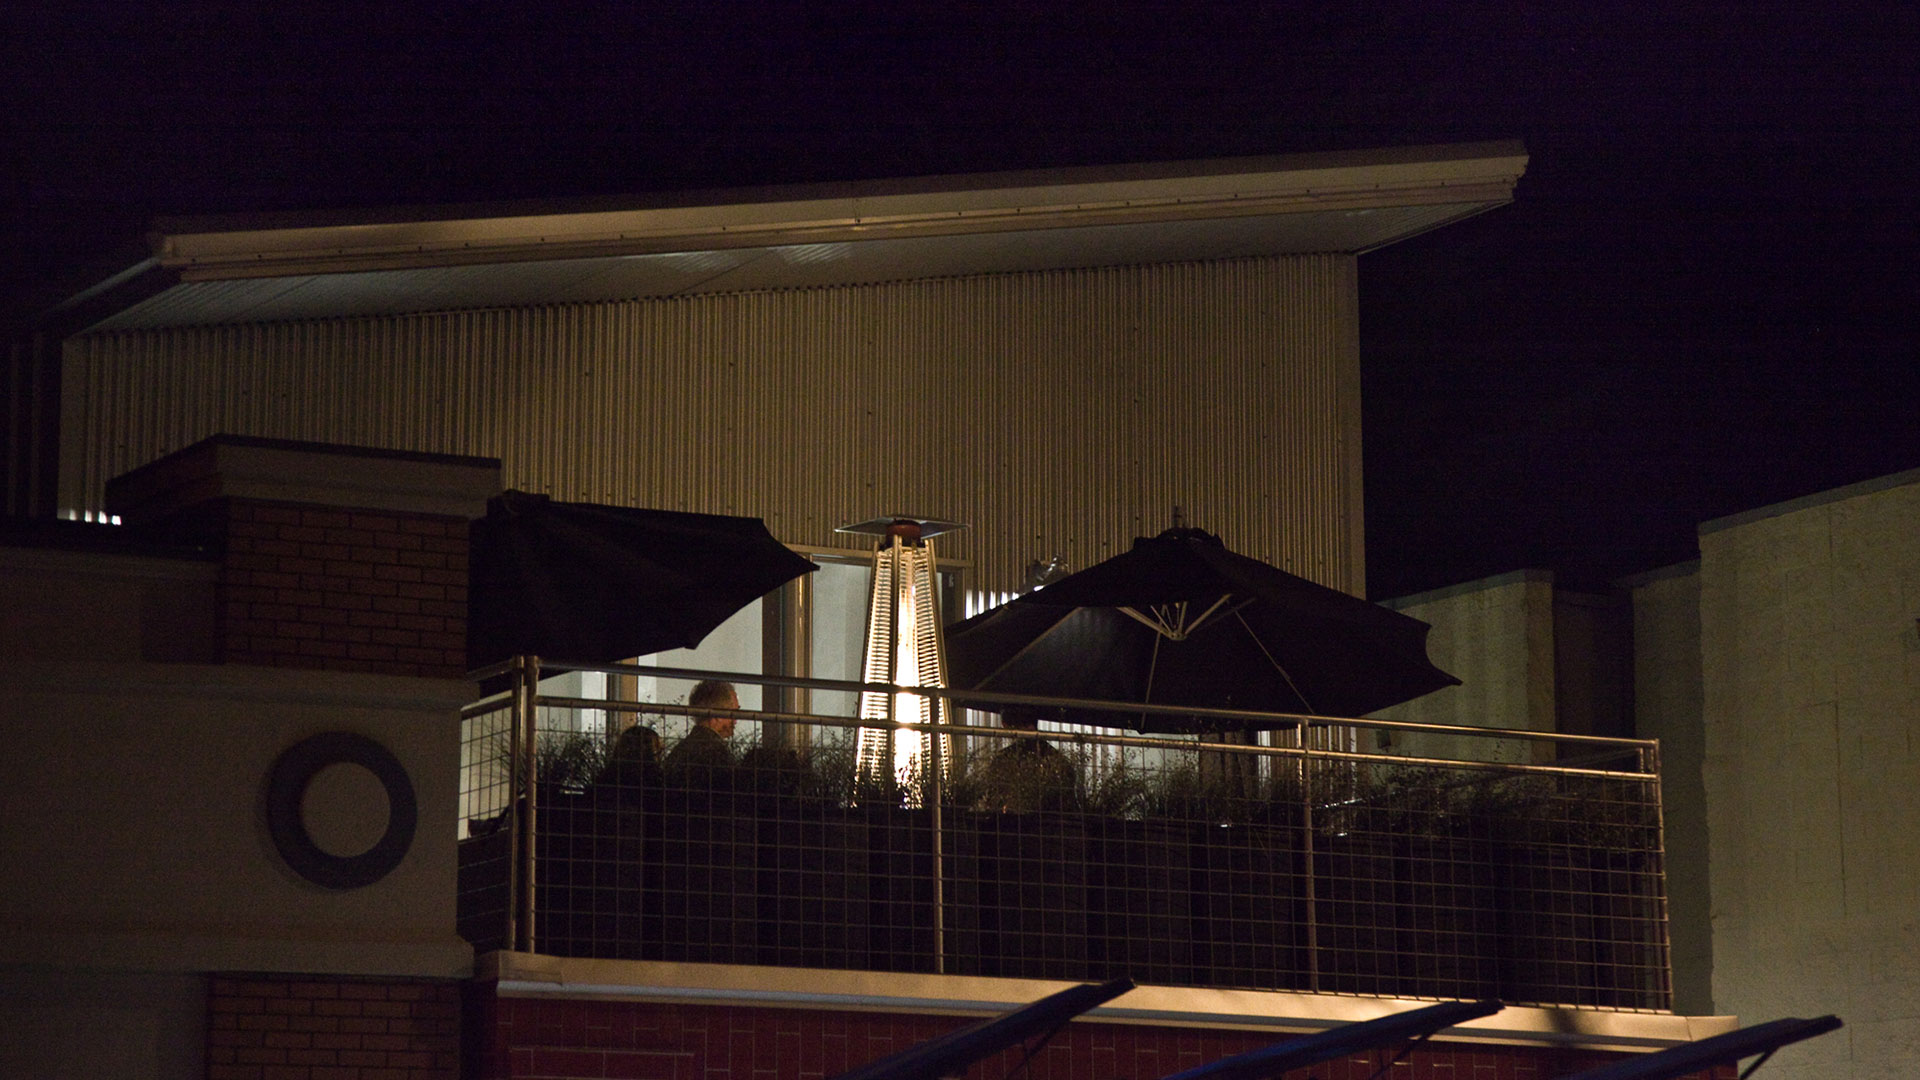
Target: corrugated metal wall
[1060,412]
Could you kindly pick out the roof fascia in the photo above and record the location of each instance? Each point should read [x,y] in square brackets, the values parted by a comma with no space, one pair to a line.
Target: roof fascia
[1482,173]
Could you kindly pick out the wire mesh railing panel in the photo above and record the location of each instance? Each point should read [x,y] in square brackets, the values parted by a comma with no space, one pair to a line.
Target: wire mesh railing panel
[486,828]
[1083,858]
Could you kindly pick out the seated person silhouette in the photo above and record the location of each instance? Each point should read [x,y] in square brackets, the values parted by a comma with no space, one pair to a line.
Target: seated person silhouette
[634,762]
[1026,775]
[704,759]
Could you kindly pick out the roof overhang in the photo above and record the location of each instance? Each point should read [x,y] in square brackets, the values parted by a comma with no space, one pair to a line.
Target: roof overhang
[287,267]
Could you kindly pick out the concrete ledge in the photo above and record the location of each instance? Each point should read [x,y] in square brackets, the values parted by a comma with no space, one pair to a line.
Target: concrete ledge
[240,682]
[1446,592]
[318,474]
[531,975]
[1808,502]
[193,949]
[1689,568]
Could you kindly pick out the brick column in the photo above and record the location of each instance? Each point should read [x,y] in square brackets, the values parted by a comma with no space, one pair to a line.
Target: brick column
[349,590]
[332,557]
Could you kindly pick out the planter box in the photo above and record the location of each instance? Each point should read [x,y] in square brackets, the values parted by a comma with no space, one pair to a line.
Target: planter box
[1447,895]
[1248,911]
[1016,891]
[1356,914]
[709,903]
[812,889]
[899,888]
[1580,926]
[590,869]
[791,880]
[482,899]
[1140,887]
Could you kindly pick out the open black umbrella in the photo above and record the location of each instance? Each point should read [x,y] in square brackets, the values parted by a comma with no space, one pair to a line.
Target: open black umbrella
[1180,620]
[597,584]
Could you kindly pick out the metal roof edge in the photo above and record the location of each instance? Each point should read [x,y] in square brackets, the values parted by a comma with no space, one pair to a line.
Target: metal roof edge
[1474,175]
[841,189]
[141,280]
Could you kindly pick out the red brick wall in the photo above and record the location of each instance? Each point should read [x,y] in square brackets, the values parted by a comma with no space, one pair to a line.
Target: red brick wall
[551,1039]
[330,1027]
[344,590]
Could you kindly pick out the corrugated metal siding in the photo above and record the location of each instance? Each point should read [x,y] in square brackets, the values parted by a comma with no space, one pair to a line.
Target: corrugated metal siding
[1059,412]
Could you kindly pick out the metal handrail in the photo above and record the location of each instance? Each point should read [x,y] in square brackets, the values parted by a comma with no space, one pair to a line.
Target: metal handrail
[963,697]
[1143,741]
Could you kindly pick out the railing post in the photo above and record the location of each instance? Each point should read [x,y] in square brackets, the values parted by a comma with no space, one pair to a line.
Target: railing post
[1308,871]
[510,939]
[935,792]
[526,692]
[1650,764]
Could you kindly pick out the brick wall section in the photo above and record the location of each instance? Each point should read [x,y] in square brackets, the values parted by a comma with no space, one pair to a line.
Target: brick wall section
[329,1027]
[564,1039]
[344,590]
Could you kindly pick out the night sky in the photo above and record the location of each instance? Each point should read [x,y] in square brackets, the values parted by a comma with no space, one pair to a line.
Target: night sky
[1703,300]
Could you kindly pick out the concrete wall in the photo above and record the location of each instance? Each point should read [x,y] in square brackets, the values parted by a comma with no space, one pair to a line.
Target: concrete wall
[1666,681]
[1811,698]
[1496,637]
[1592,664]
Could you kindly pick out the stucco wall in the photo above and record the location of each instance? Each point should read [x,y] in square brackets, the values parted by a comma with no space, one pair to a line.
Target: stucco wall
[1811,698]
[101,1025]
[66,605]
[1496,637]
[134,835]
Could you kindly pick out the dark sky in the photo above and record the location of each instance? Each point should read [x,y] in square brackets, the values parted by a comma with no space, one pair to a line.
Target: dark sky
[1703,300]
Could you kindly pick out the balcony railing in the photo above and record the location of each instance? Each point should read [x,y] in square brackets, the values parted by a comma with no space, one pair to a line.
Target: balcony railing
[1515,865]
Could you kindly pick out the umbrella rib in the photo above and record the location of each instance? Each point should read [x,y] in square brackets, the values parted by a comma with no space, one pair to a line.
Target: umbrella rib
[1157,626]
[1276,664]
[1224,597]
[1160,625]
[1153,665]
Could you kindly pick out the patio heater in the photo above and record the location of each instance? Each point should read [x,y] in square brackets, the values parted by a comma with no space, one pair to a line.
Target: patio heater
[904,648]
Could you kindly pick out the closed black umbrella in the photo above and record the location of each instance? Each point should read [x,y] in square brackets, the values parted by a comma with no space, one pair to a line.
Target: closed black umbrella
[597,584]
[1180,620]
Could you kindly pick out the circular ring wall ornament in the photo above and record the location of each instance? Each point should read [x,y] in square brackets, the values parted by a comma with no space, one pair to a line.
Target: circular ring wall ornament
[287,786]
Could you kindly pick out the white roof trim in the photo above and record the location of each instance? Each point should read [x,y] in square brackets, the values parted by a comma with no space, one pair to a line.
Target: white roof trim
[1060,199]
